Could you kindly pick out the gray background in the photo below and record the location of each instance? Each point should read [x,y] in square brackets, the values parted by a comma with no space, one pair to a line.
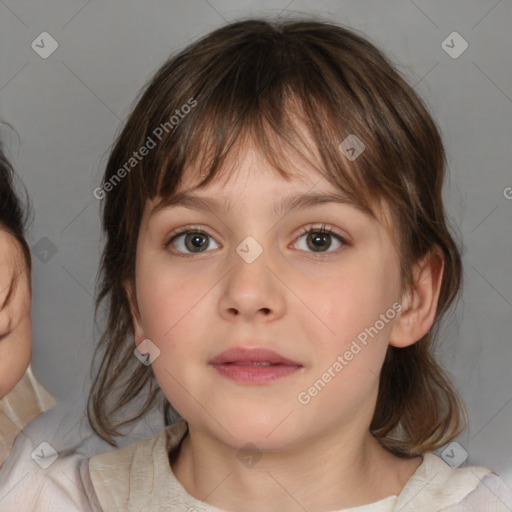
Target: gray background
[68,107]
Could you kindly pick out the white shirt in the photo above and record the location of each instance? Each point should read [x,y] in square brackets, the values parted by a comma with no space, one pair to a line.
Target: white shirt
[25,401]
[139,477]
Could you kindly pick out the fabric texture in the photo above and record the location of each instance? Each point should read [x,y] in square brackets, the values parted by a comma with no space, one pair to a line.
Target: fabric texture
[63,487]
[139,477]
[60,484]
[25,401]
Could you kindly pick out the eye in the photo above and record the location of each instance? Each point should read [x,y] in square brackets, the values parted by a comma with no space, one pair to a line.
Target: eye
[319,239]
[194,240]
[190,238]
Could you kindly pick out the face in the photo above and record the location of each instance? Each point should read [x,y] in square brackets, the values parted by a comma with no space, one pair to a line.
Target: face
[15,321]
[252,276]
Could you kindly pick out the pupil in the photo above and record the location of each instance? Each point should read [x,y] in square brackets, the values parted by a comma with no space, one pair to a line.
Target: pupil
[317,240]
[195,241]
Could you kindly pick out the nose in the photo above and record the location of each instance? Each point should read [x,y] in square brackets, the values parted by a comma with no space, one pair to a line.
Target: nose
[252,289]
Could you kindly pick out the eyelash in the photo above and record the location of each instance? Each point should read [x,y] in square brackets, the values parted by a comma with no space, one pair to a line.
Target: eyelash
[307,230]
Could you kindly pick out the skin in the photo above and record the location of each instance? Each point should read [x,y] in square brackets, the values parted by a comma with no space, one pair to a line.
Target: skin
[318,456]
[15,321]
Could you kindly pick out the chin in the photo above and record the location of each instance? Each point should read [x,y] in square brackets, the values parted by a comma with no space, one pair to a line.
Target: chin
[265,432]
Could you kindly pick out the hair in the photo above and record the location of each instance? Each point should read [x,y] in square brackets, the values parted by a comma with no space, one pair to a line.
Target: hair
[13,218]
[269,82]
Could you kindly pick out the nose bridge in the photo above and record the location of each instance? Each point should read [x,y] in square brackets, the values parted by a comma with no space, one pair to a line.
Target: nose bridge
[250,250]
[250,261]
[251,285]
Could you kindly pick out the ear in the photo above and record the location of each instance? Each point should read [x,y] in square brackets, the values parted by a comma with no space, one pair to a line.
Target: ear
[419,303]
[138,329]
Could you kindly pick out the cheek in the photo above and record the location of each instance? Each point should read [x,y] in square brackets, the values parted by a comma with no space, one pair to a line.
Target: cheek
[5,320]
[172,307]
[347,305]
[170,304]
[15,352]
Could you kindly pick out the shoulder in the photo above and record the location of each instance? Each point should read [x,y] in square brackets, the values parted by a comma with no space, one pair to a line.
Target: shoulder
[25,401]
[63,486]
[490,495]
[437,486]
[126,475]
[62,439]
[47,467]
[116,464]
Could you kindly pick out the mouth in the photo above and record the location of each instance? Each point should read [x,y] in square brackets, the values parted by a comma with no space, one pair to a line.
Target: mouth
[253,366]
[257,363]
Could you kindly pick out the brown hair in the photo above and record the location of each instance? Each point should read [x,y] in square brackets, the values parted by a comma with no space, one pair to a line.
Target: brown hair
[263,80]
[13,216]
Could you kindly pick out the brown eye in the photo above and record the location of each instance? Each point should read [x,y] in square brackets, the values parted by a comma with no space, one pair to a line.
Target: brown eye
[320,240]
[190,241]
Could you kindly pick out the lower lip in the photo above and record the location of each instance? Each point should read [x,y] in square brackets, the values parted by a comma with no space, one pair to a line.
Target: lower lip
[255,374]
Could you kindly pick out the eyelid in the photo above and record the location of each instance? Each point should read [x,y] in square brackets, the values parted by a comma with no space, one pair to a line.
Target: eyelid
[325,228]
[183,229]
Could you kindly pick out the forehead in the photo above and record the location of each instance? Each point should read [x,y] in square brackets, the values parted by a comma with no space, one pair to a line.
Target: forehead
[248,174]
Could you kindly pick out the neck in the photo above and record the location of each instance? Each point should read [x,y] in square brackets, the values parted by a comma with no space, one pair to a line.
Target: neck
[331,472]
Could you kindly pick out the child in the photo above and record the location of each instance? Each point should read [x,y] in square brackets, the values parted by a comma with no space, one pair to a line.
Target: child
[26,482]
[22,398]
[277,251]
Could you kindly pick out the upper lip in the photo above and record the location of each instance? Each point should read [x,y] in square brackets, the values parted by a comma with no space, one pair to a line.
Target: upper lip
[252,355]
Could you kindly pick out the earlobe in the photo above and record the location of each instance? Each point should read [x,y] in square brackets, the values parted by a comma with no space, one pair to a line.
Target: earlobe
[419,302]
[138,329]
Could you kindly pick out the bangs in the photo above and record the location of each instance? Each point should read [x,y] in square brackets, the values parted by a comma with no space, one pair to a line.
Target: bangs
[279,135]
[278,97]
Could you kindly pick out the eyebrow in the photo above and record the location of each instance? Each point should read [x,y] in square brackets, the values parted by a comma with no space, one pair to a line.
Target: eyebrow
[292,202]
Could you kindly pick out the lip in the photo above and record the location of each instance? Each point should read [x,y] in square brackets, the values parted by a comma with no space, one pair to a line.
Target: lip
[240,364]
[252,355]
